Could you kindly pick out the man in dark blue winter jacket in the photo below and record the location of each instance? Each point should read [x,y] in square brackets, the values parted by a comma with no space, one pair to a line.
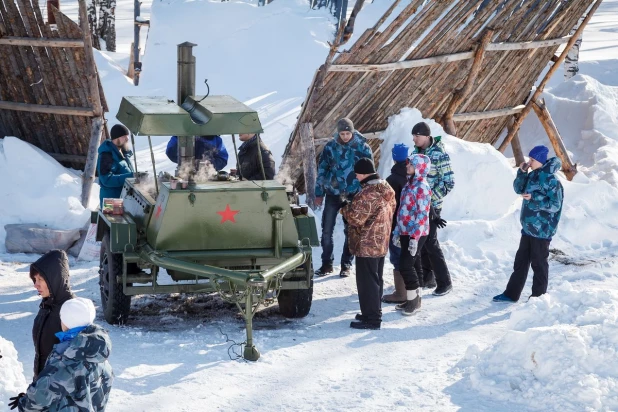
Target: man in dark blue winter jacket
[209,148]
[540,213]
[337,183]
[114,163]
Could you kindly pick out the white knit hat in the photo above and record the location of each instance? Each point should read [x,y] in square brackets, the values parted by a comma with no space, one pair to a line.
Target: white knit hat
[77,312]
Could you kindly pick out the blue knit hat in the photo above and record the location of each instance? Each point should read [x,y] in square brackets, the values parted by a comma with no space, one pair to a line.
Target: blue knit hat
[400,152]
[539,153]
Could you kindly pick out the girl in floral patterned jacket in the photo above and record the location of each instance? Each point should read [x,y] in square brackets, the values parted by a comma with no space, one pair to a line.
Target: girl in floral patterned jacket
[413,227]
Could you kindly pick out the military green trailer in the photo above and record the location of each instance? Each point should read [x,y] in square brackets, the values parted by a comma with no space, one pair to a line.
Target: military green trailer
[219,233]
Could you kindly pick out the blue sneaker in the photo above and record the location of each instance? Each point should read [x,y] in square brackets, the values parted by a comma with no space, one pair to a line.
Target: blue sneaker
[502,298]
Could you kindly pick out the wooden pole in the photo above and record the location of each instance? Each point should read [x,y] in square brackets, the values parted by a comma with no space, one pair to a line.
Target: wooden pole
[137,65]
[460,94]
[516,146]
[40,42]
[520,119]
[46,108]
[309,164]
[97,121]
[569,169]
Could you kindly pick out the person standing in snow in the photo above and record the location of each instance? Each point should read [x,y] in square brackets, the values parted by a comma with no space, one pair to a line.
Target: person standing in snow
[540,214]
[397,179]
[210,148]
[114,163]
[50,275]
[337,182]
[248,166]
[369,218]
[412,229]
[441,181]
[77,375]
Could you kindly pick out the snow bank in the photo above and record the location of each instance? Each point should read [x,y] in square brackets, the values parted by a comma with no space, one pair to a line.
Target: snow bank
[482,174]
[12,380]
[584,111]
[560,354]
[38,189]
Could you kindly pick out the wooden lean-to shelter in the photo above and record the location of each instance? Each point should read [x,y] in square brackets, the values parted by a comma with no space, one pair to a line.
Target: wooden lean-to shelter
[50,92]
[468,64]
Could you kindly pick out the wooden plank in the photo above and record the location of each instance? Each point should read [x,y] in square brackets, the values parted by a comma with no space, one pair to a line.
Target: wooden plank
[447,58]
[46,108]
[91,159]
[568,167]
[309,162]
[550,73]
[460,94]
[472,116]
[40,42]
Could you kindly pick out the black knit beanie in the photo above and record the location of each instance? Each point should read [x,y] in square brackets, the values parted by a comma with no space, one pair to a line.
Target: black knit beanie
[345,125]
[422,129]
[117,131]
[364,166]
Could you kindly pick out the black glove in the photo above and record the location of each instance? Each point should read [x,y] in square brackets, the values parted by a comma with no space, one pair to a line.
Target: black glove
[15,400]
[441,223]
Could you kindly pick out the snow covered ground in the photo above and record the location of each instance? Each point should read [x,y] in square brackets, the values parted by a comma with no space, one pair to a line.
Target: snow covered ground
[461,352]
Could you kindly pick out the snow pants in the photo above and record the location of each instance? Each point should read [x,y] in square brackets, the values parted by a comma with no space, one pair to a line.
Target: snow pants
[532,252]
[412,277]
[370,285]
[432,259]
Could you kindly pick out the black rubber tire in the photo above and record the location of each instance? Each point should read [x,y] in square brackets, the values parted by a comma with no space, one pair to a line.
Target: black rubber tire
[296,303]
[116,305]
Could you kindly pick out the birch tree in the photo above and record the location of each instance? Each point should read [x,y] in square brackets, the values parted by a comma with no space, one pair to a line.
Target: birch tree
[571,63]
[107,23]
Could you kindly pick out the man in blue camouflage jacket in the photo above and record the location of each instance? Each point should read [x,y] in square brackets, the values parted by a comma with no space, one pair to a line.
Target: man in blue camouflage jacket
[77,375]
[337,183]
[441,180]
[540,213]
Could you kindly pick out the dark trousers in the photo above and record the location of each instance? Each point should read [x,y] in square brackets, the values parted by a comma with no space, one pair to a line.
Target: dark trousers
[532,252]
[394,253]
[432,258]
[332,205]
[370,285]
[407,267]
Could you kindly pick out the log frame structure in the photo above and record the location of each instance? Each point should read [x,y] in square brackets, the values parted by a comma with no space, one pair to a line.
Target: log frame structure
[50,92]
[469,63]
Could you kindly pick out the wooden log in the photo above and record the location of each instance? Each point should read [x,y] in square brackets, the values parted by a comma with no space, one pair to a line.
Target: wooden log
[40,42]
[461,94]
[466,117]
[516,145]
[568,167]
[91,159]
[46,108]
[310,172]
[430,61]
[550,73]
[131,69]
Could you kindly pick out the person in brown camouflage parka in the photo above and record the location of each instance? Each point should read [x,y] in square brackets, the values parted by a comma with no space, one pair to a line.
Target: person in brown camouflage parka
[369,217]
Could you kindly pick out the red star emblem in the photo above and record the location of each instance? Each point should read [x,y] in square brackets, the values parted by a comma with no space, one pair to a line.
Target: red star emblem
[158,212]
[228,214]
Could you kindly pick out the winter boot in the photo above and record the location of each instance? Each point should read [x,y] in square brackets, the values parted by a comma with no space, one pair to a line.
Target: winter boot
[443,290]
[345,272]
[324,270]
[412,304]
[365,324]
[399,295]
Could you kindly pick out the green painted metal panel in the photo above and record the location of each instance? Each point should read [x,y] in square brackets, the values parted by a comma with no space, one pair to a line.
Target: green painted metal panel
[307,229]
[159,116]
[222,215]
[122,230]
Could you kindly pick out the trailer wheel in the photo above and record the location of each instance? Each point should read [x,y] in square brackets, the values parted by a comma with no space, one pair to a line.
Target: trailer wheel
[296,303]
[116,305]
